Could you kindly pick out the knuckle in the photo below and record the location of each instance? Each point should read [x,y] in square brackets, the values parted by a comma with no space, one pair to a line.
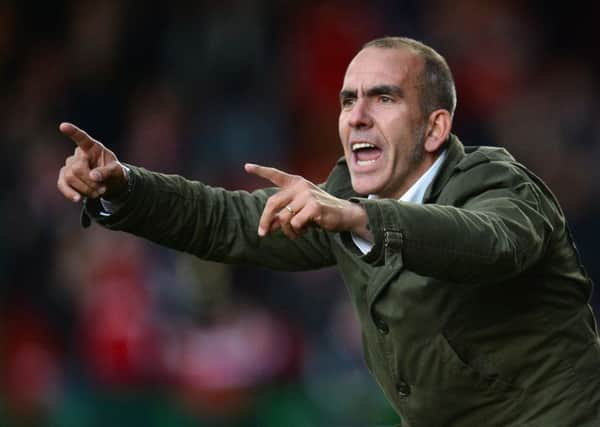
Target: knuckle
[274,202]
[268,206]
[68,174]
[270,203]
[281,218]
[299,182]
[79,166]
[305,193]
[313,205]
[79,153]
[82,173]
[296,223]
[77,169]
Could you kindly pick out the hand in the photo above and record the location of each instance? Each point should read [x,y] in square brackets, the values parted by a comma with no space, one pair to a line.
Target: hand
[92,171]
[300,203]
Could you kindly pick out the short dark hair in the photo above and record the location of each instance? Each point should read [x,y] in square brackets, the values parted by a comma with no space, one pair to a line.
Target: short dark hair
[436,81]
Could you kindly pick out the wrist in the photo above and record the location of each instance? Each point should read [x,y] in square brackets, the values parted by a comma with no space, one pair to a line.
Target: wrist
[120,195]
[360,222]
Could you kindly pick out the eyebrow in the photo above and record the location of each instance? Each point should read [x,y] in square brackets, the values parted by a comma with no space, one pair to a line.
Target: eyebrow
[374,91]
[386,90]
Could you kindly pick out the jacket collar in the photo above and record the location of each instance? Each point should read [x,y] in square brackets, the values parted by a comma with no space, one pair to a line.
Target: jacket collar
[456,152]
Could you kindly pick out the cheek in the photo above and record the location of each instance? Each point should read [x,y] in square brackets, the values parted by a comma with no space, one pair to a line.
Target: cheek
[397,134]
[342,131]
[341,125]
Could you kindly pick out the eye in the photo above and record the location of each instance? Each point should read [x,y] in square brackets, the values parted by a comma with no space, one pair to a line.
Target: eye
[347,102]
[386,99]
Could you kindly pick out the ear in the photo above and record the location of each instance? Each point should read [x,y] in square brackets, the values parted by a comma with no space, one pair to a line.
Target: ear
[438,129]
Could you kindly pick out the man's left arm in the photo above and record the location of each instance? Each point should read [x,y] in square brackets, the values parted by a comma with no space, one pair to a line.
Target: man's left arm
[495,232]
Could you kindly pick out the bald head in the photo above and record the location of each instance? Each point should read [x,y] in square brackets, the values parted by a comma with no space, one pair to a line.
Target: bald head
[436,84]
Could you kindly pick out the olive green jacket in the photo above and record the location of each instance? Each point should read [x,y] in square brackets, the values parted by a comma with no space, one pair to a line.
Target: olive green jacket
[474,305]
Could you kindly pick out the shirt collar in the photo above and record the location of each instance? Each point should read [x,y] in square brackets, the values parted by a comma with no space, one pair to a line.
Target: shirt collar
[416,192]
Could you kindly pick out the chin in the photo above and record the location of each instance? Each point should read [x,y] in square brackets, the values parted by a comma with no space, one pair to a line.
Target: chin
[364,188]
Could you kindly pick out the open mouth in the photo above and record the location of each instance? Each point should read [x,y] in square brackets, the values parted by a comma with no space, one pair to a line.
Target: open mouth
[365,153]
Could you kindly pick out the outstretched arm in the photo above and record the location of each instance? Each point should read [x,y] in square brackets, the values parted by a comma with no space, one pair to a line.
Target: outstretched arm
[209,222]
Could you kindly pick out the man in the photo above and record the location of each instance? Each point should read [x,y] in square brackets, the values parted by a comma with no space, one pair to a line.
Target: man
[465,278]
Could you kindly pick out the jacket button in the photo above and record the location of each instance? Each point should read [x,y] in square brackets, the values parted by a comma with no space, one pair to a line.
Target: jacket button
[403,389]
[382,327]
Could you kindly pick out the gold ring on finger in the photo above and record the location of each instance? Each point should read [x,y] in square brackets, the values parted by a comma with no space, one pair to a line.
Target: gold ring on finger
[290,210]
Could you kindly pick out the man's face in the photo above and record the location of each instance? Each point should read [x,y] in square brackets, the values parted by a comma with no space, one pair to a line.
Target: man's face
[381,126]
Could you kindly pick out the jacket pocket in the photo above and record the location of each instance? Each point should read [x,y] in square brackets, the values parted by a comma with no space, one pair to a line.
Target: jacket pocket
[448,392]
[459,370]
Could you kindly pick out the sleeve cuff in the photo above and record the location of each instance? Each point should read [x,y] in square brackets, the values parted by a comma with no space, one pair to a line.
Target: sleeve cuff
[106,212]
[376,255]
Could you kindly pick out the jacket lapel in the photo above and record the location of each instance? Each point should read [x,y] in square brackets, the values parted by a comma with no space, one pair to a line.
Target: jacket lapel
[456,153]
[394,265]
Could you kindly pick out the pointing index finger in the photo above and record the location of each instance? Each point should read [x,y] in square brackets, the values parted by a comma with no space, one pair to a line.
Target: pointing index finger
[79,136]
[276,176]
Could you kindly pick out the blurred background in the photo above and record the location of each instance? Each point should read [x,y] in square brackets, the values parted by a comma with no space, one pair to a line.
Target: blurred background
[100,328]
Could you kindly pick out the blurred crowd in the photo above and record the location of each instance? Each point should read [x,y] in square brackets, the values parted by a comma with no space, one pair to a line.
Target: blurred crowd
[100,328]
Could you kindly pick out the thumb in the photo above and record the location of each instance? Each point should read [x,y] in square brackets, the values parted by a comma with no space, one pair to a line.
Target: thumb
[104,173]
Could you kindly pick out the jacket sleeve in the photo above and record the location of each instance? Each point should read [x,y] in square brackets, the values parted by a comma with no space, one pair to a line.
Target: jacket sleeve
[498,224]
[212,223]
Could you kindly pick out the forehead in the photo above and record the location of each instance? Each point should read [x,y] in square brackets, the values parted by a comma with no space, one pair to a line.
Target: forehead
[374,66]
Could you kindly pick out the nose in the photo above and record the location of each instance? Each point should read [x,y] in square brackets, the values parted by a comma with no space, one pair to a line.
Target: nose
[360,116]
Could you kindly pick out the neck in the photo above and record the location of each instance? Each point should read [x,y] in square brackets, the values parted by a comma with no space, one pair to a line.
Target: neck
[414,174]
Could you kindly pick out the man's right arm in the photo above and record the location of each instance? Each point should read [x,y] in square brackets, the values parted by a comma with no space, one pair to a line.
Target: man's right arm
[185,215]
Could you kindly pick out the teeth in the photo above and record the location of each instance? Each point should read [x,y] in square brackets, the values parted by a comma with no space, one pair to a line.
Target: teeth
[360,145]
[364,162]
